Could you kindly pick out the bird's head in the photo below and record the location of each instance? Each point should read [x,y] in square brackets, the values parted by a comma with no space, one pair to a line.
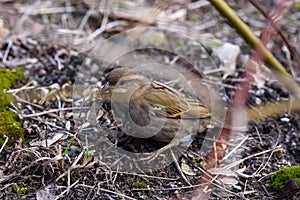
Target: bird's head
[122,77]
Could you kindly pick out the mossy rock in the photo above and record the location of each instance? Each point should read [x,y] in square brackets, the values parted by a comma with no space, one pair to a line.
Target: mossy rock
[10,124]
[281,177]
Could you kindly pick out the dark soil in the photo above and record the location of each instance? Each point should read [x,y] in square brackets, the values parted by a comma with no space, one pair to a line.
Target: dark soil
[54,163]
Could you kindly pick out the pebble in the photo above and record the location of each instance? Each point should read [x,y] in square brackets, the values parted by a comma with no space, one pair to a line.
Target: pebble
[285,119]
[142,197]
[271,93]
[93,80]
[258,101]
[260,92]
[284,94]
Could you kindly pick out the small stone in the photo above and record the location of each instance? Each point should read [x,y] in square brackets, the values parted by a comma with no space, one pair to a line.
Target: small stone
[93,80]
[284,94]
[42,72]
[285,119]
[289,189]
[142,197]
[260,92]
[258,101]
[271,93]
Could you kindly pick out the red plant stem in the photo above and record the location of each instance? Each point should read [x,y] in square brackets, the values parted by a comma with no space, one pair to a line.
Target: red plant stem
[283,37]
[242,93]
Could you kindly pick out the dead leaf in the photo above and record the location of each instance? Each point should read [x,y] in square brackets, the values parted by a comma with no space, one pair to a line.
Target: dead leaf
[187,169]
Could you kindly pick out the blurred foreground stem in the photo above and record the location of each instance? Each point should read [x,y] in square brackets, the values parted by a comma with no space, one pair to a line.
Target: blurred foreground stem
[260,49]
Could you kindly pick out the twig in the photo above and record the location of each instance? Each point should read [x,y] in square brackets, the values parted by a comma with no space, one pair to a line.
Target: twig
[178,168]
[235,148]
[52,111]
[103,23]
[44,11]
[115,178]
[148,176]
[67,190]
[9,45]
[115,193]
[3,145]
[108,191]
[73,166]
[251,156]
[260,139]
[19,99]
[270,156]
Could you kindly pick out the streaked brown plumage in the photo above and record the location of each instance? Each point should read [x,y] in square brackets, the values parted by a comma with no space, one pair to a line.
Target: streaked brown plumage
[152,109]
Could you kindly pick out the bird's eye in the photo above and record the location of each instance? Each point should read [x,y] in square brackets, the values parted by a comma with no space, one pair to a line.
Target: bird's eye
[156,107]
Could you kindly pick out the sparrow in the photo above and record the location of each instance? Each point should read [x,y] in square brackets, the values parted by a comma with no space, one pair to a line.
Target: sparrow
[151,109]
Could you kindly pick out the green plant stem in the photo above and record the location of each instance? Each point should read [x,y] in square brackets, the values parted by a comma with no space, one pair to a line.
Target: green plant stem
[255,42]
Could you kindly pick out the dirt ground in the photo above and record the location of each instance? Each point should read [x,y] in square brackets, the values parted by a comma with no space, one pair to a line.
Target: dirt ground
[69,151]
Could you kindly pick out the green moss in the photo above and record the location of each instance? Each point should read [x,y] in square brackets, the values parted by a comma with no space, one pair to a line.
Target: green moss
[140,185]
[281,177]
[9,77]
[5,100]
[10,124]
[22,190]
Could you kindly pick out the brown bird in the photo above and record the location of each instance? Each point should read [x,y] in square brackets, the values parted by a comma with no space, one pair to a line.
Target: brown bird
[150,109]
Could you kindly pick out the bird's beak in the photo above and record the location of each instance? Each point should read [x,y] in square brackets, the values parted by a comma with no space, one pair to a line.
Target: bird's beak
[106,91]
[105,88]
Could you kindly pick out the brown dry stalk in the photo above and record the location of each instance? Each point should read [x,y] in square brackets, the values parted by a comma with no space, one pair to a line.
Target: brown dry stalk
[242,93]
[283,37]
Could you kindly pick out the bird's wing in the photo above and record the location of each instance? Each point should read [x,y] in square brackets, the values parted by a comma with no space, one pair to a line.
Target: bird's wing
[166,101]
[197,110]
